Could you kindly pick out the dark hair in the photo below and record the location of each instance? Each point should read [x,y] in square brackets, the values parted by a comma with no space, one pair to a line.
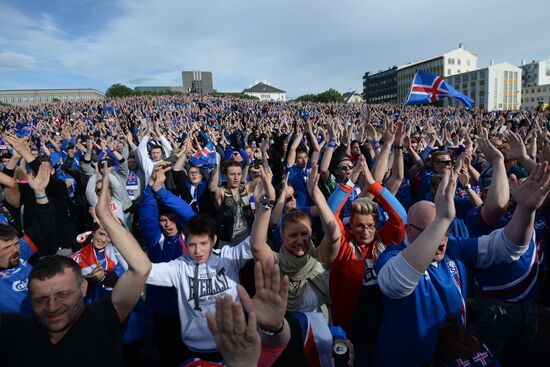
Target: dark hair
[156,146]
[301,149]
[7,232]
[200,224]
[230,164]
[49,266]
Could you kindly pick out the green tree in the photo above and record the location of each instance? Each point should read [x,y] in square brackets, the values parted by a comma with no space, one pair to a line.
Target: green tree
[119,90]
[331,95]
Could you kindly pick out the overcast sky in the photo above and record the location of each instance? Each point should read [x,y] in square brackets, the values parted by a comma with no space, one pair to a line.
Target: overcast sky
[299,46]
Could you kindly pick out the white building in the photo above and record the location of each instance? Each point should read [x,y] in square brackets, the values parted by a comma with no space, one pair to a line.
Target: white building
[266,92]
[450,63]
[535,73]
[27,97]
[352,97]
[497,87]
[533,97]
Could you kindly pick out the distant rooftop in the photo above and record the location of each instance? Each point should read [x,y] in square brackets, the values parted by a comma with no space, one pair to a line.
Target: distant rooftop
[263,88]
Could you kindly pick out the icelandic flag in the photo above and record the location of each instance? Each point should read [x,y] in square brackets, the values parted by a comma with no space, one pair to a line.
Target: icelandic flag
[206,157]
[431,88]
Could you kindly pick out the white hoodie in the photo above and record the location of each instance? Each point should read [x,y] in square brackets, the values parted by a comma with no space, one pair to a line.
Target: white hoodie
[217,277]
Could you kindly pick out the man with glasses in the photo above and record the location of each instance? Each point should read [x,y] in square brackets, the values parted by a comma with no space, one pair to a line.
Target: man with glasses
[439,163]
[424,280]
[64,331]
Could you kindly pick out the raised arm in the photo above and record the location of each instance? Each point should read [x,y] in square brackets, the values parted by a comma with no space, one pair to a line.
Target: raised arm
[398,166]
[329,151]
[129,287]
[43,218]
[328,249]
[381,165]
[258,234]
[529,196]
[11,190]
[517,151]
[419,254]
[498,196]
[291,158]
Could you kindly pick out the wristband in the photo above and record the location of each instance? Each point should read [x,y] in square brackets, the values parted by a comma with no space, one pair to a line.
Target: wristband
[41,197]
[331,145]
[272,332]
[332,140]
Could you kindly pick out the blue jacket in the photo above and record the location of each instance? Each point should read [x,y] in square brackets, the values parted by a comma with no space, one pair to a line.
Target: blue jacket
[162,300]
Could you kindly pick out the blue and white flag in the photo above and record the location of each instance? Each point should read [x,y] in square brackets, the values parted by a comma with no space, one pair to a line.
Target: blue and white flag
[206,157]
[431,88]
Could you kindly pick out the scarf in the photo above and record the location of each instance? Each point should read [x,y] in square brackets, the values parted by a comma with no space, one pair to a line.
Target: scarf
[300,271]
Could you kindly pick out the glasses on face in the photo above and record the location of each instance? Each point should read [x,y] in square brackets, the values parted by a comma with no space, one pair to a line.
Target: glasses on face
[291,197]
[59,296]
[345,167]
[193,173]
[446,163]
[416,227]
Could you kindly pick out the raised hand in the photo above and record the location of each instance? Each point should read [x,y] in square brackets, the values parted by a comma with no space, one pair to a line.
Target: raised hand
[444,197]
[270,302]
[159,176]
[313,180]
[39,182]
[517,148]
[531,194]
[490,152]
[238,340]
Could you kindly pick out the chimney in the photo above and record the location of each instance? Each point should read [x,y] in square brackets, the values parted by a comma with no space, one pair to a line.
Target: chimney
[461,45]
[491,62]
[523,62]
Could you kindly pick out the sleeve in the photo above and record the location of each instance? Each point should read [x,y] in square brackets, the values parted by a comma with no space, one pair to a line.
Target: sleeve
[91,196]
[42,223]
[496,248]
[149,219]
[179,181]
[396,277]
[269,354]
[143,157]
[242,253]
[119,192]
[393,231]
[86,168]
[338,198]
[166,146]
[163,274]
[475,223]
[176,204]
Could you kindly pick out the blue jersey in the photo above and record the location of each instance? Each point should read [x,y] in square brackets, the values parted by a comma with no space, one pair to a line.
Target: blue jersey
[515,281]
[13,282]
[413,322]
[297,177]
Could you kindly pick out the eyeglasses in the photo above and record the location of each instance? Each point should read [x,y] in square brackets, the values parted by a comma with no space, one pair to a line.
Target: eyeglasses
[59,296]
[291,197]
[447,163]
[193,173]
[416,227]
[345,167]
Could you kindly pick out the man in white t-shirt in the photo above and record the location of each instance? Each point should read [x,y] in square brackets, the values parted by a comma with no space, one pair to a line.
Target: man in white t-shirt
[200,277]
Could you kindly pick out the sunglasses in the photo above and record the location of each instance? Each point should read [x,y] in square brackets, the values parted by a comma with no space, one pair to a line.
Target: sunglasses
[345,167]
[291,197]
[447,163]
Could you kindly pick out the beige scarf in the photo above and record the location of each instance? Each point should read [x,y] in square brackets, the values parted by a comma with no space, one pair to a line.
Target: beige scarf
[301,270]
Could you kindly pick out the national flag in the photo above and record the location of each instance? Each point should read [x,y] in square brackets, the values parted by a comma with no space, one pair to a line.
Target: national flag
[317,338]
[431,88]
[206,157]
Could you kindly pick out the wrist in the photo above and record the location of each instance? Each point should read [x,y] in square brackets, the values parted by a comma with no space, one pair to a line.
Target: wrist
[40,194]
[271,330]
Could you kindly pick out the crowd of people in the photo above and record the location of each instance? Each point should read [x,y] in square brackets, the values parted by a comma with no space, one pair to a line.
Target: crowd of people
[209,231]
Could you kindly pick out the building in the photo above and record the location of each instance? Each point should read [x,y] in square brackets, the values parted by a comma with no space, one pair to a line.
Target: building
[535,73]
[352,97]
[534,96]
[497,87]
[27,97]
[450,63]
[158,89]
[380,87]
[197,82]
[265,92]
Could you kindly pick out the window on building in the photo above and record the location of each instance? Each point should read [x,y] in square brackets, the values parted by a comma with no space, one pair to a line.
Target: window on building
[448,71]
[451,61]
[458,71]
[458,61]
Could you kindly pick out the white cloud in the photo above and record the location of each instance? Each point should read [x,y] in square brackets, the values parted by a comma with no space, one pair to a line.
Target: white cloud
[15,61]
[299,46]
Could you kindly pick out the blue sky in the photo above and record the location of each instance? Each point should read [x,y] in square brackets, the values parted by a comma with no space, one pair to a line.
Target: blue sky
[299,46]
